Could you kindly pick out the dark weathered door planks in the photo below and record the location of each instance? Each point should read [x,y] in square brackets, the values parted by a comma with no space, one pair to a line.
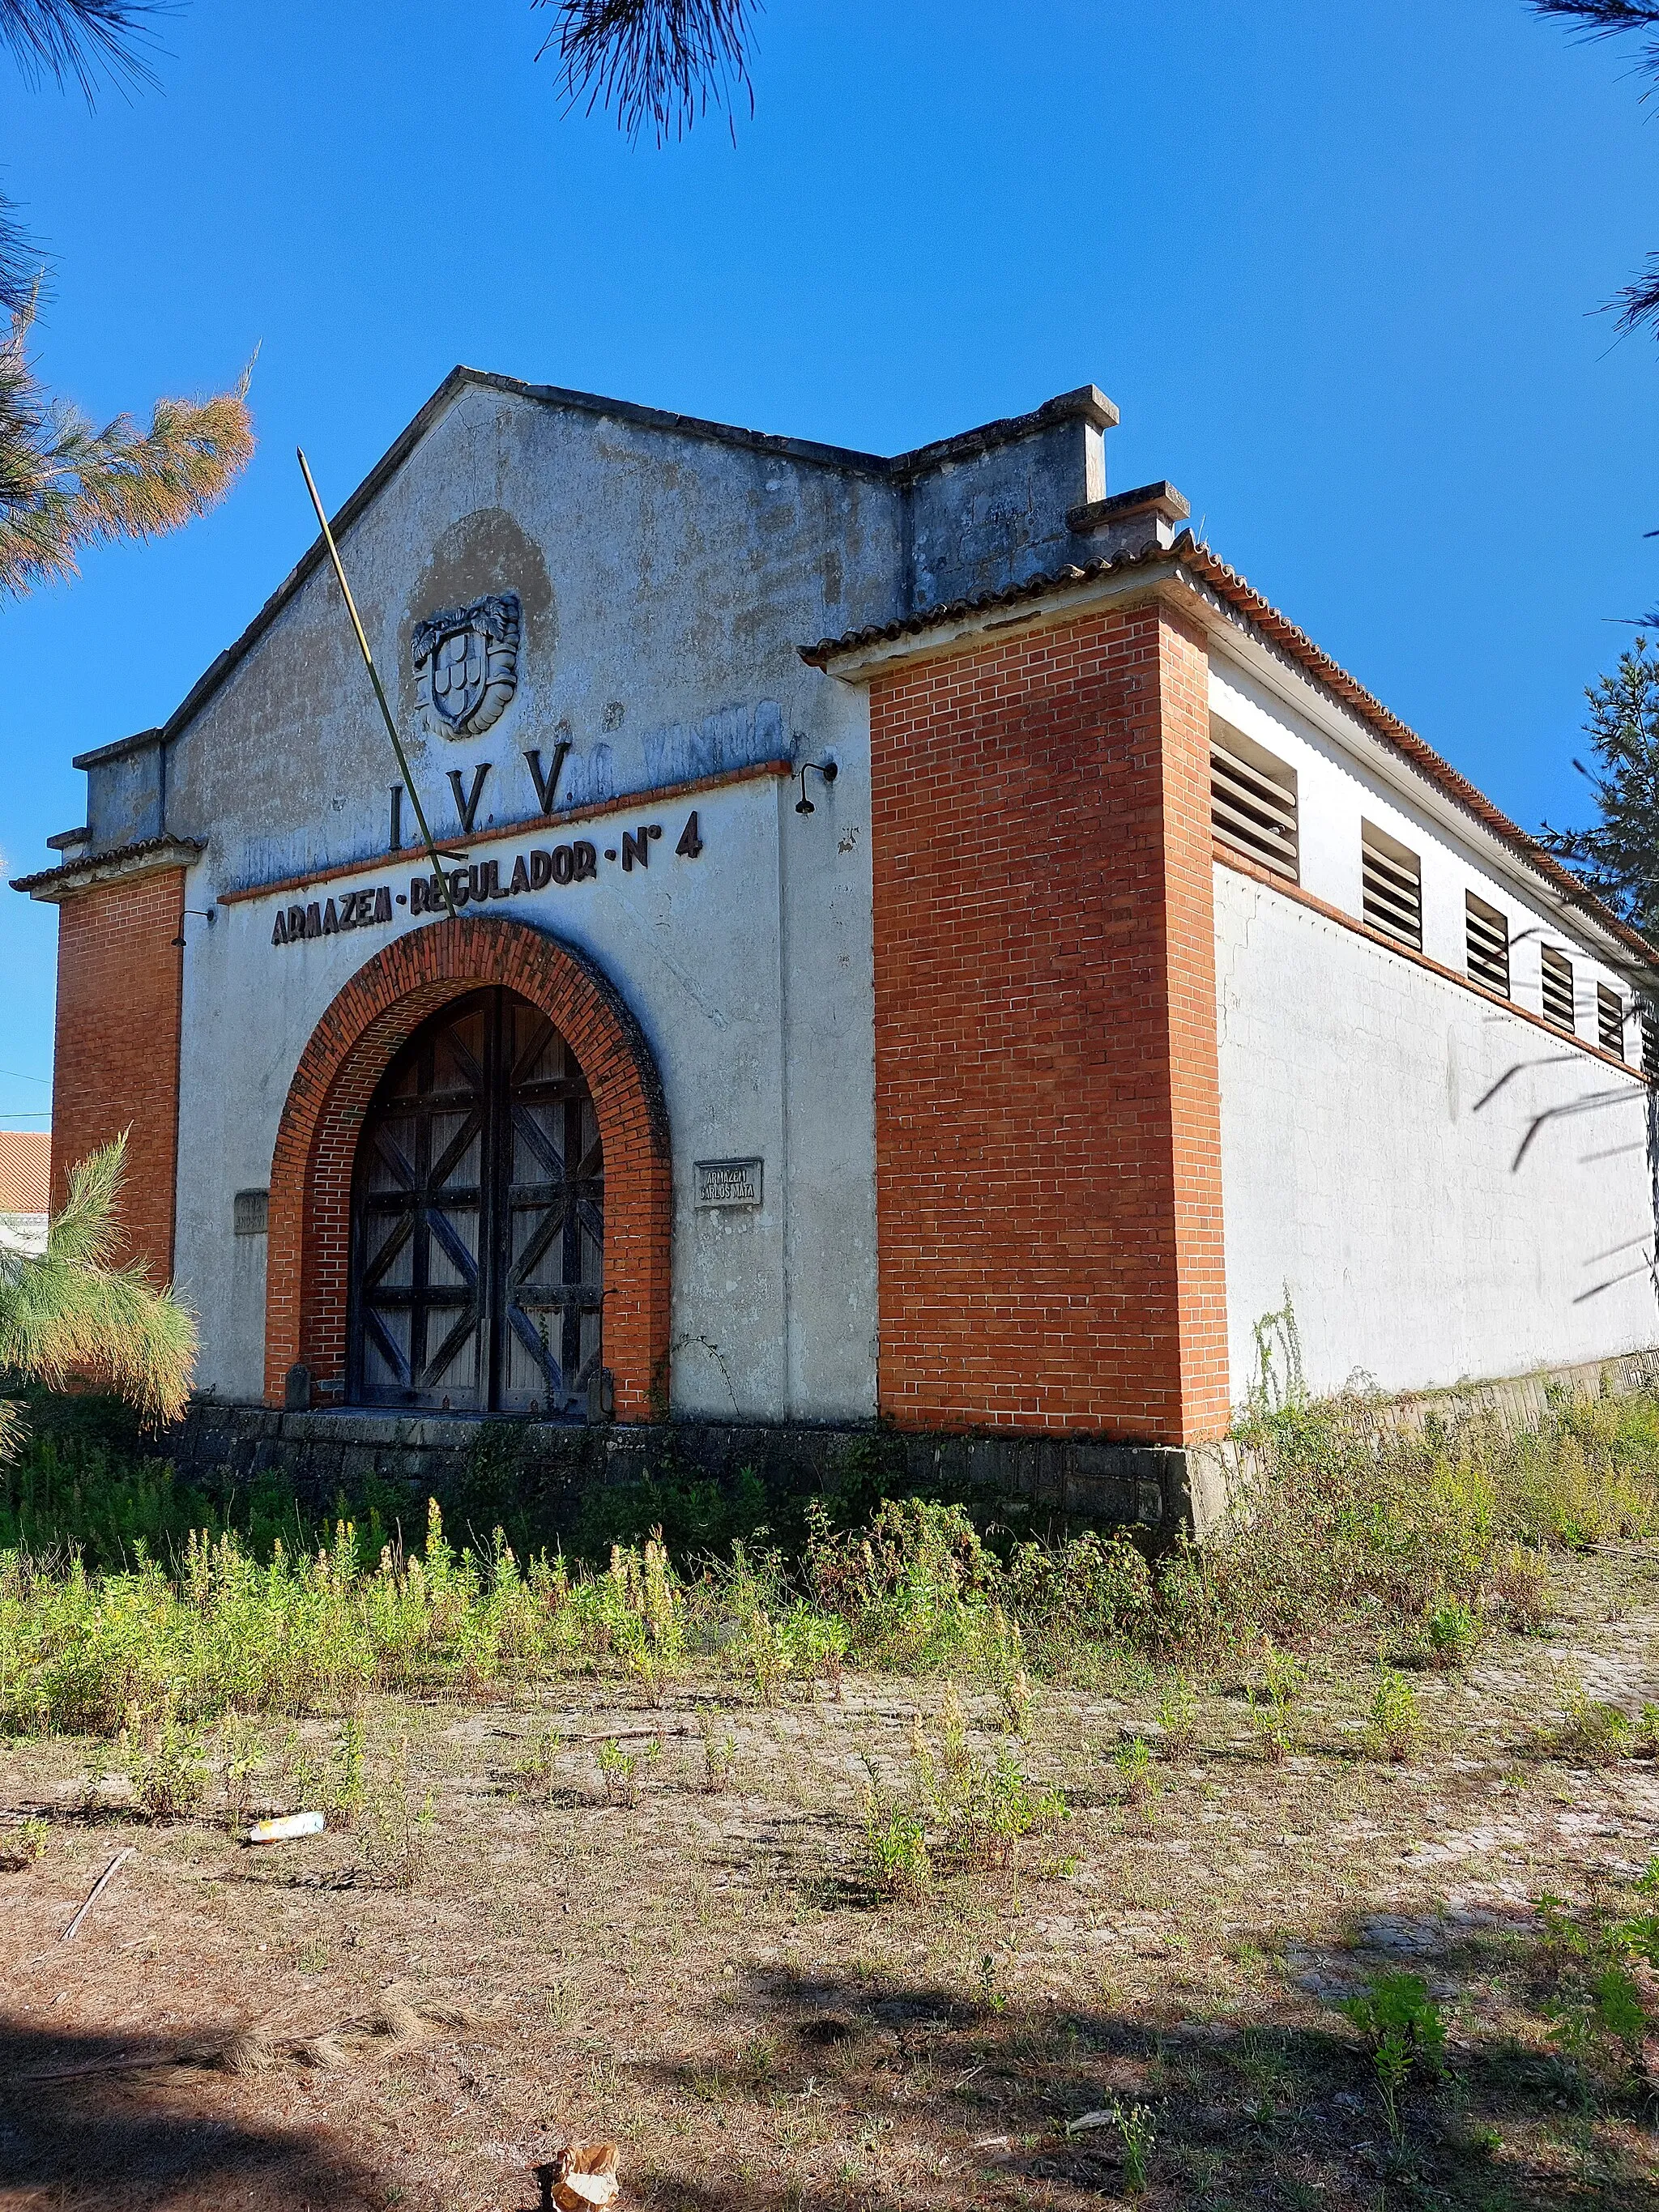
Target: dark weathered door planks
[478,1220]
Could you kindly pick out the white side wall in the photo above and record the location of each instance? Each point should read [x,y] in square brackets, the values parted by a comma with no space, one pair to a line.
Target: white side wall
[1443,1189]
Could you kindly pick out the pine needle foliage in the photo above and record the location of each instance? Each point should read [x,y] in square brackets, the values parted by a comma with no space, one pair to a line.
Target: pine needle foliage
[20,266]
[659,63]
[1617,858]
[66,483]
[1637,302]
[72,1311]
[78,41]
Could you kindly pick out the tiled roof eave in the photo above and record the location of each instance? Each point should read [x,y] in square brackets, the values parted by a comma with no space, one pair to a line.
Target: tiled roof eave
[147,853]
[1204,567]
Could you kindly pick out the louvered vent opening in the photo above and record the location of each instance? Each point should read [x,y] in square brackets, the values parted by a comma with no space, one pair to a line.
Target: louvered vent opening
[1650,1041]
[1253,802]
[1488,934]
[1557,989]
[1610,1020]
[1393,887]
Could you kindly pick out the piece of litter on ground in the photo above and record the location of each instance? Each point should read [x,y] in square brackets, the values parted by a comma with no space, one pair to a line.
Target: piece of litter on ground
[98,1889]
[286,1829]
[1089,2120]
[993,2142]
[582,2174]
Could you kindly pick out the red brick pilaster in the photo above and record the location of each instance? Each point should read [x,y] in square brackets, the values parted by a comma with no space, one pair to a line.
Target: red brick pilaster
[386,1001]
[120,989]
[1047,1121]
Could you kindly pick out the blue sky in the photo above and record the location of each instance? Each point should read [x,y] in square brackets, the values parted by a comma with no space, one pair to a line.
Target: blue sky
[1336,264]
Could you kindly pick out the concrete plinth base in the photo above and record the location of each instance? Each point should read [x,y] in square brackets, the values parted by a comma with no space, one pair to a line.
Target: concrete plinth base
[1158,1490]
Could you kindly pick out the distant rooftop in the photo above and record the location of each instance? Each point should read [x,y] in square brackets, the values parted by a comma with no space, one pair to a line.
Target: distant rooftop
[25,1170]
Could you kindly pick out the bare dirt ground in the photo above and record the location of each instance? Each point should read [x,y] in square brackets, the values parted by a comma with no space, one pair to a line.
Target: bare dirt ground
[708,1974]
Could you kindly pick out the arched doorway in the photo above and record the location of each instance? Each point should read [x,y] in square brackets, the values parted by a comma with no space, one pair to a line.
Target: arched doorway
[478,1219]
[358,1034]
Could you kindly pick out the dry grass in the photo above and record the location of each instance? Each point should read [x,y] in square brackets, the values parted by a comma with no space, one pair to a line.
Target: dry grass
[705,1966]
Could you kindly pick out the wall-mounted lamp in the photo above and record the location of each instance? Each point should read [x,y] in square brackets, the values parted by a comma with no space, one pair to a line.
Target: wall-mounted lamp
[201,913]
[827,770]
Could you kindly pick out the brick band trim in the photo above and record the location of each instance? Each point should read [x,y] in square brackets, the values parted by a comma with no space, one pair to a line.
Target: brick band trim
[350,1050]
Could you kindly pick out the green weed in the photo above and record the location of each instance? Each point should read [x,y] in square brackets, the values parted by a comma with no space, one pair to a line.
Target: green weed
[1133,1759]
[23,1846]
[1270,1695]
[1395,1726]
[619,1771]
[243,1752]
[401,1819]
[164,1765]
[1451,1632]
[121,1589]
[979,1806]
[894,1846]
[1594,1733]
[1138,2135]
[1177,1715]
[720,1754]
[1404,2028]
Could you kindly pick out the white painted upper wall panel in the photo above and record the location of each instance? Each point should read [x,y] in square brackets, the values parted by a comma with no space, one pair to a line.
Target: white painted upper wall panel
[1338,789]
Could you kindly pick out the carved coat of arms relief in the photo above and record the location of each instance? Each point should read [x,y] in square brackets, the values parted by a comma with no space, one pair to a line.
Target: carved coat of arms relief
[466,663]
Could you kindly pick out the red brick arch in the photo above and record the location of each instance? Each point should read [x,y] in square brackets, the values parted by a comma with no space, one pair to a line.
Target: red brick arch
[350,1049]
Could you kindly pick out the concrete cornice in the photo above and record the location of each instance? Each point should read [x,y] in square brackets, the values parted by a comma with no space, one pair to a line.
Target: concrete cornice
[966,623]
[141,741]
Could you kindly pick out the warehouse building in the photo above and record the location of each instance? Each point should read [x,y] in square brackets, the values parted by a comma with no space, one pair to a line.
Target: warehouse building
[918,937]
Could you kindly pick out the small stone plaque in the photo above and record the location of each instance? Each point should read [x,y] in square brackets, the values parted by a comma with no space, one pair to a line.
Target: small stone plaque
[728,1183]
[250,1210]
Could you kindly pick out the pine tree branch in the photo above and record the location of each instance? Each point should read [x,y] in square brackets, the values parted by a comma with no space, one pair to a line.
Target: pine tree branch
[1606,19]
[20,266]
[1637,303]
[659,63]
[1617,856]
[79,42]
[65,485]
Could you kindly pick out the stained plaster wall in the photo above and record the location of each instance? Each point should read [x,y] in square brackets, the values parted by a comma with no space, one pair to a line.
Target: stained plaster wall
[1443,1189]
[666,583]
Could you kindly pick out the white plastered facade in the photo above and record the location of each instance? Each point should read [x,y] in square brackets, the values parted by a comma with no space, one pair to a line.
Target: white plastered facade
[1439,1188]
[661,646]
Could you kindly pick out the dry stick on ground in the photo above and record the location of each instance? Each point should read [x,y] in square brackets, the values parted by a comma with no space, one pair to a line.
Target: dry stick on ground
[98,1889]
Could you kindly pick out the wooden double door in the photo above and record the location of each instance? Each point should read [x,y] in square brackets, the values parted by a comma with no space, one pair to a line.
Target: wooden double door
[477,1243]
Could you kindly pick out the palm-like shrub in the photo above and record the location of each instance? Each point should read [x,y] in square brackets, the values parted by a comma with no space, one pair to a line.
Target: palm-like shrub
[72,1311]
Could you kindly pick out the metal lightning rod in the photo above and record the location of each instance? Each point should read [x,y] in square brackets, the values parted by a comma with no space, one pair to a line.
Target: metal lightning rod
[437,857]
